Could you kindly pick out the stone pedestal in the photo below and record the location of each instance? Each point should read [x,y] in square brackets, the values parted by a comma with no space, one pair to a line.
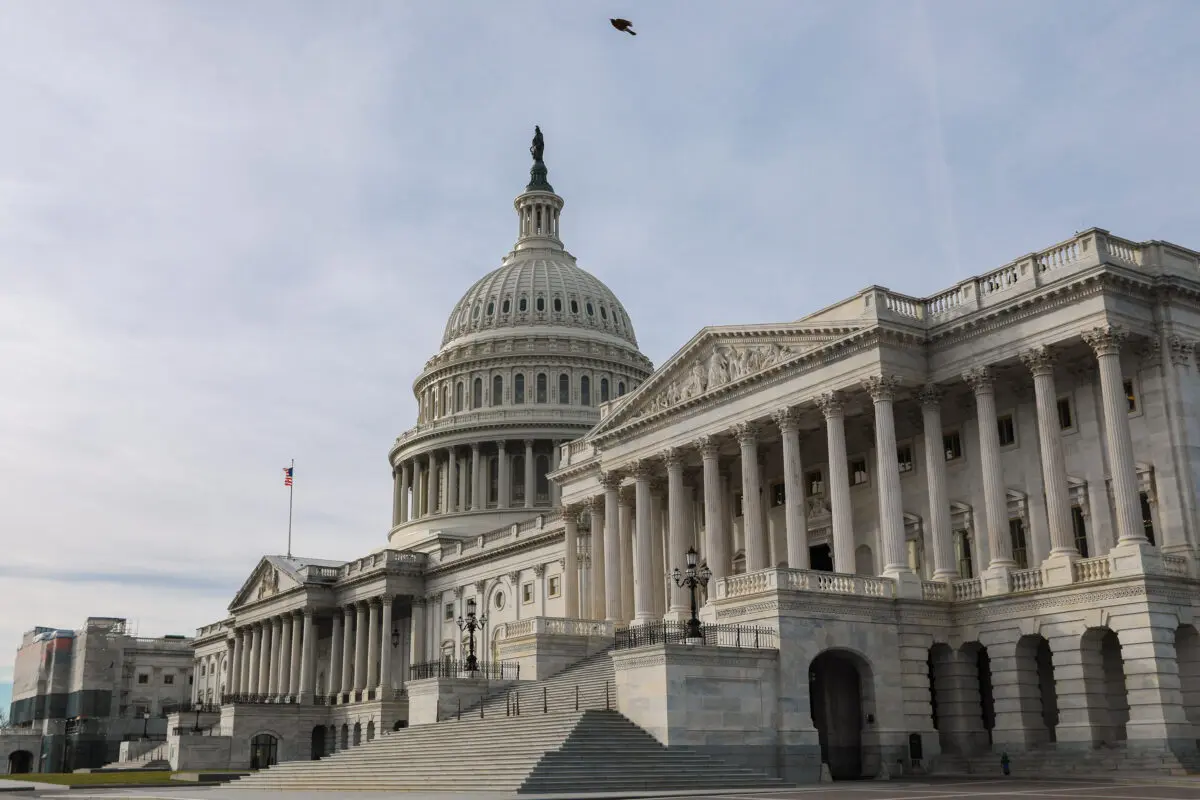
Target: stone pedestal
[543,646]
[995,580]
[908,583]
[1059,569]
[427,698]
[1135,558]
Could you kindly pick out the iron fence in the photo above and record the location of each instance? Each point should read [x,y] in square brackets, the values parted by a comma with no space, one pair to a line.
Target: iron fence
[192,708]
[208,730]
[751,637]
[485,670]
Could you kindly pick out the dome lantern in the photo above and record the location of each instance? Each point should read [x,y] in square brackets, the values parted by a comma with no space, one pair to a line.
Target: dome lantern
[538,207]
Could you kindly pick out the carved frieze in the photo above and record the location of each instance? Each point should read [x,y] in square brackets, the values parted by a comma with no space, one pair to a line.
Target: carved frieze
[723,364]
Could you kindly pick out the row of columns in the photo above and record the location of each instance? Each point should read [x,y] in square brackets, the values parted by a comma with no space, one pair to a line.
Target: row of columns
[274,657]
[420,491]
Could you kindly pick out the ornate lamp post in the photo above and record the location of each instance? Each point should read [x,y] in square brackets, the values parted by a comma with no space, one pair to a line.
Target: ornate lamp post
[395,636]
[145,724]
[471,624]
[691,579]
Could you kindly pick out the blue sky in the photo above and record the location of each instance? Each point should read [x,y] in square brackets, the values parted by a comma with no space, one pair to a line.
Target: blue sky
[230,234]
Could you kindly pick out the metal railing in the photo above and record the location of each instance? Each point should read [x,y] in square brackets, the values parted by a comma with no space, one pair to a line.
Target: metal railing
[532,700]
[192,730]
[484,670]
[751,637]
[192,708]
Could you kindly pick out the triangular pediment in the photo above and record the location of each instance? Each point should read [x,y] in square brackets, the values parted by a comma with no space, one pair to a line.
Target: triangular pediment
[267,580]
[714,359]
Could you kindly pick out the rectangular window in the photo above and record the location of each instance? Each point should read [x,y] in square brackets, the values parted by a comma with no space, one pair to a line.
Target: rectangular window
[813,483]
[1066,419]
[952,444]
[904,458]
[527,593]
[1130,397]
[858,471]
[519,389]
[450,610]
[778,495]
[962,554]
[168,680]
[541,388]
[554,586]
[737,506]
[1007,430]
[143,678]
[1016,534]
[1147,518]
[1079,527]
[914,555]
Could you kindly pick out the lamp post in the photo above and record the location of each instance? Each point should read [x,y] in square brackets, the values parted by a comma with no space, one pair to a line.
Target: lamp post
[691,579]
[145,724]
[471,624]
[395,636]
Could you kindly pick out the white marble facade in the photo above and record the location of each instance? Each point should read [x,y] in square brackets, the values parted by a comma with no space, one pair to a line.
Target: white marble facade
[1009,467]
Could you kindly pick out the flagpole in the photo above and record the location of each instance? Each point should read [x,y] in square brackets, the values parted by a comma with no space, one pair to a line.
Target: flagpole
[291,491]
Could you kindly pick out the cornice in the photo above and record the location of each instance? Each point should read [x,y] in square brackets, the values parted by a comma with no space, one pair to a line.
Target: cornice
[491,553]
[529,360]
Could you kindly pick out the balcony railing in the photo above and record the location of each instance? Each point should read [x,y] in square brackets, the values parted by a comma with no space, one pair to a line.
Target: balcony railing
[751,637]
[484,670]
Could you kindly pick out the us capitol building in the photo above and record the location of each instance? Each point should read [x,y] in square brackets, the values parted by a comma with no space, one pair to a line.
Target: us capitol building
[938,529]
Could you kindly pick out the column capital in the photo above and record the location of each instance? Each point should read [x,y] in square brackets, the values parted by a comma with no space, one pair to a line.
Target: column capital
[458,592]
[419,602]
[672,458]
[610,480]
[746,433]
[642,470]
[539,570]
[979,379]
[309,613]
[479,587]
[501,445]
[930,396]
[529,443]
[787,419]
[1039,360]
[709,446]
[595,505]
[571,513]
[1106,340]
[881,387]
[515,577]
[831,405]
[474,447]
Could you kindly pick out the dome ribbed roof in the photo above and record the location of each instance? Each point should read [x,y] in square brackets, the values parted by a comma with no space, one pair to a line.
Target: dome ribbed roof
[538,291]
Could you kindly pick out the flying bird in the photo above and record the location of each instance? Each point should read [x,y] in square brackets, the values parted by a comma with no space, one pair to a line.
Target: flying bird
[623,25]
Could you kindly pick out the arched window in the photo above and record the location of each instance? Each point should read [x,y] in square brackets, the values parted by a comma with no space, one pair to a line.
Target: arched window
[604,390]
[541,467]
[493,480]
[603,313]
[591,311]
[518,479]
[541,387]
[558,305]
[564,389]
[518,388]
[574,306]
[620,388]
[541,304]
[264,751]
[497,390]
[491,307]
[477,394]
[445,399]
[585,391]
[507,307]
[523,304]
[458,397]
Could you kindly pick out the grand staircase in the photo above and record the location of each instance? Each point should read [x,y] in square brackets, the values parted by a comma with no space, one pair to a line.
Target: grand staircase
[586,684]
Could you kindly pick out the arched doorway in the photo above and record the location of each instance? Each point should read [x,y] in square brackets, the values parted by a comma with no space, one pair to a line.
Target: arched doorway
[400,723]
[1104,681]
[20,762]
[264,751]
[1187,653]
[345,736]
[357,734]
[318,742]
[836,683]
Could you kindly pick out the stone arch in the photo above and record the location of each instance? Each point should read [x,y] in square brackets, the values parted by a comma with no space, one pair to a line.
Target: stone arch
[370,729]
[317,748]
[264,749]
[962,697]
[1104,684]
[1036,691]
[864,560]
[20,762]
[345,741]
[841,696]
[357,733]
[1187,653]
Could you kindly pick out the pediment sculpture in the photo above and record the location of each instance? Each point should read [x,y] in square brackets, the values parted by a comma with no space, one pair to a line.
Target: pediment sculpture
[269,585]
[724,364]
[818,506]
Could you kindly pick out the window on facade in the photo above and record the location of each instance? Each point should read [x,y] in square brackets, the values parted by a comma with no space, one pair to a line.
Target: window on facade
[737,506]
[558,305]
[518,479]
[591,312]
[858,471]
[962,554]
[541,304]
[585,391]
[477,393]
[904,458]
[813,483]
[497,390]
[541,388]
[507,307]
[952,444]
[143,678]
[778,495]
[493,481]
[527,593]
[541,467]
[574,306]
[491,309]
[564,389]
[458,396]
[450,610]
[168,680]
[1066,419]
[620,388]
[739,563]
[523,304]
[603,313]
[203,669]
[1147,518]
[1007,430]
[915,562]
[518,388]
[1016,535]
[1079,529]
[604,390]
[1130,397]
[553,586]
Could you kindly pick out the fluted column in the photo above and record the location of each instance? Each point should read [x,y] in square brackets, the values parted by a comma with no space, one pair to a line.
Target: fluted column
[643,581]
[372,644]
[385,645]
[285,657]
[405,487]
[250,666]
[348,636]
[839,482]
[794,509]
[264,659]
[944,566]
[716,546]
[308,657]
[361,635]
[1040,361]
[628,570]
[555,460]
[758,554]
[571,562]
[658,545]
[416,651]
[431,486]
[995,499]
[882,390]
[598,577]
[334,685]
[397,511]
[529,479]
[504,499]
[272,680]
[676,535]
[235,667]
[451,504]
[477,491]
[418,486]
[613,570]
[463,483]
[1106,341]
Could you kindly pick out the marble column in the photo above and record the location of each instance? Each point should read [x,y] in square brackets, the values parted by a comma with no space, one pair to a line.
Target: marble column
[463,483]
[431,486]
[405,488]
[416,653]
[758,554]
[795,516]
[658,545]
[285,657]
[361,635]
[1040,361]
[308,657]
[598,576]
[530,485]
[385,647]
[250,668]
[418,491]
[555,460]
[235,669]
[335,656]
[628,571]
[613,570]
[451,504]
[882,390]
[264,659]
[995,498]
[1106,341]
[716,541]
[372,644]
[839,482]
[504,488]
[643,600]
[348,637]
[274,686]
[571,562]
[397,511]
[944,566]
[477,490]
[677,537]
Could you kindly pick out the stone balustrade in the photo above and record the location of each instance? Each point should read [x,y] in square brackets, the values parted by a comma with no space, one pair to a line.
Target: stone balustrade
[555,626]
[1175,566]
[803,580]
[969,589]
[1093,569]
[1025,580]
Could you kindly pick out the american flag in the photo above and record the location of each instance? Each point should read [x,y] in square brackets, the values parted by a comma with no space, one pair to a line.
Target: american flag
[287,475]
